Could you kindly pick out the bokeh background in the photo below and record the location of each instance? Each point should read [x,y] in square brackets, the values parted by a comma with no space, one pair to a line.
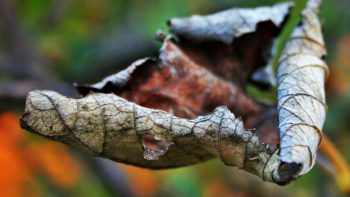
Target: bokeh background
[53,43]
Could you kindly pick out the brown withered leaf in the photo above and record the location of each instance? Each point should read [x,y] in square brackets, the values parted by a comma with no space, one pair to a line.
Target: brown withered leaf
[178,85]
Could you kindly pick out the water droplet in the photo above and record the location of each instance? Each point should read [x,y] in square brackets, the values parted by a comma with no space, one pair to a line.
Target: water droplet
[154,148]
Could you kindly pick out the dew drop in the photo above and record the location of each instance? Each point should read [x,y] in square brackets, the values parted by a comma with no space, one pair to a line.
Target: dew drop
[154,148]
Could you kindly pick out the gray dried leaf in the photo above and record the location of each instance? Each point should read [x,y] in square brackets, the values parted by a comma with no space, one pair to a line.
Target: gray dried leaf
[301,95]
[229,24]
[108,126]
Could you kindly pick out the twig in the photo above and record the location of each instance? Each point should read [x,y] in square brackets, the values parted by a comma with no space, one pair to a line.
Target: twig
[342,170]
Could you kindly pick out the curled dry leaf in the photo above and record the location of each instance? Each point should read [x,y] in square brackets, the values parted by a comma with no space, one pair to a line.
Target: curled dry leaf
[183,81]
[166,83]
[301,96]
[109,126]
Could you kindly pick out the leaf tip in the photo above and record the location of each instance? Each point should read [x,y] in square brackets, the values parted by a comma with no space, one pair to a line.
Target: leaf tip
[288,172]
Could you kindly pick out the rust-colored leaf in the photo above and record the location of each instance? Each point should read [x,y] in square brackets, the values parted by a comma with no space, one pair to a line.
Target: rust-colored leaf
[178,85]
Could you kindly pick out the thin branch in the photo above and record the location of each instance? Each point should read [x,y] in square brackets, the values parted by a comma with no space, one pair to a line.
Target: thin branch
[342,170]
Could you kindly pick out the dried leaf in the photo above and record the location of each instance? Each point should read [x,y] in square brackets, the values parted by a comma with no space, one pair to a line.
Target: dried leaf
[227,25]
[301,96]
[115,129]
[108,126]
[114,82]
[247,35]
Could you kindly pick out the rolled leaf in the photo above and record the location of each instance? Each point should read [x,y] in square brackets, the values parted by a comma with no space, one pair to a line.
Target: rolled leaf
[301,95]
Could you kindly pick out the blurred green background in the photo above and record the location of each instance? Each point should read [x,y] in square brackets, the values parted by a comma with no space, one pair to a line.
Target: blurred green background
[69,41]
